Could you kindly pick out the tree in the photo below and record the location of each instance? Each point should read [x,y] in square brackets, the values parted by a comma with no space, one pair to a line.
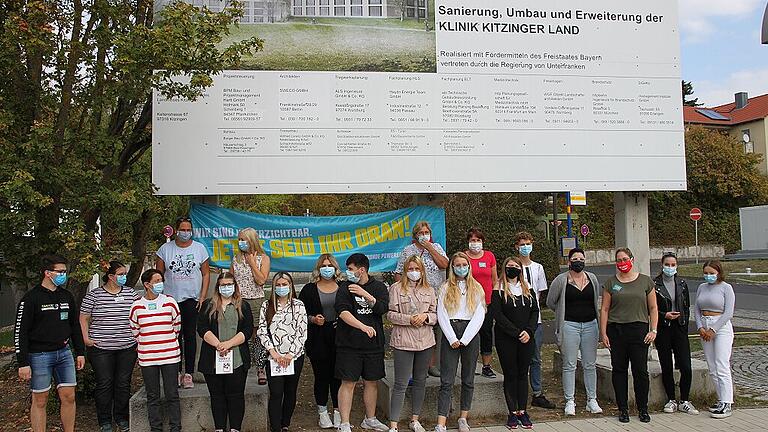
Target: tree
[688,91]
[75,120]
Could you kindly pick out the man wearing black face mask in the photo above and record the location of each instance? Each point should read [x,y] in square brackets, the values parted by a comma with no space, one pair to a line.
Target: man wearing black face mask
[574,298]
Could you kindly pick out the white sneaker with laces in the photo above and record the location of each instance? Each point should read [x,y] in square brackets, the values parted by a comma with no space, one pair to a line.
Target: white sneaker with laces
[374,424]
[336,418]
[463,425]
[325,421]
[570,408]
[715,407]
[688,408]
[439,428]
[725,411]
[593,407]
[415,426]
[344,427]
[670,407]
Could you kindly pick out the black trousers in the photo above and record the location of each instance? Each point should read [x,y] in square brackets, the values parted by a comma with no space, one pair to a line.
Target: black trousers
[627,346]
[152,376]
[515,358]
[282,396]
[188,335]
[113,370]
[674,340]
[325,380]
[486,335]
[227,398]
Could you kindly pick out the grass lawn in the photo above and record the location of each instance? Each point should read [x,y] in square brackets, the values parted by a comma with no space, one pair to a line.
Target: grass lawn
[757,266]
[303,46]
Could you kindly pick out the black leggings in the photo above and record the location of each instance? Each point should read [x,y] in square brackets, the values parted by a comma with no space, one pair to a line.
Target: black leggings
[188,335]
[227,398]
[325,380]
[515,358]
[627,346]
[282,396]
[486,335]
[674,339]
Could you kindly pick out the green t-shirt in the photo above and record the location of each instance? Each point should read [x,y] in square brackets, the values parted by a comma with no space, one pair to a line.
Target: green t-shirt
[227,330]
[629,299]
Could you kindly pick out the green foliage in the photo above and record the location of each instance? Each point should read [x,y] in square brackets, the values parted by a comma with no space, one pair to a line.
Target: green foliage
[75,122]
[688,91]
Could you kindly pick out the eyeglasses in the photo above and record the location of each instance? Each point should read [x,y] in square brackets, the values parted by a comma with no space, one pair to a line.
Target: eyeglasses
[183,219]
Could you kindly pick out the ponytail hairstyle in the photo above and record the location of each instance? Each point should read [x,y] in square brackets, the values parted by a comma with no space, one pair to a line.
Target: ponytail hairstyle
[110,268]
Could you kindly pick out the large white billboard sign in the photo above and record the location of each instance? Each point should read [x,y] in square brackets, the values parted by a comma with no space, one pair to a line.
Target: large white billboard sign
[529,95]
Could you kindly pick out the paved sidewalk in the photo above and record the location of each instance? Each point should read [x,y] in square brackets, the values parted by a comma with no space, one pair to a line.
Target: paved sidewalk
[742,420]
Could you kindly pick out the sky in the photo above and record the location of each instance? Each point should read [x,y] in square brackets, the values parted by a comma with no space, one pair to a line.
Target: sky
[721,49]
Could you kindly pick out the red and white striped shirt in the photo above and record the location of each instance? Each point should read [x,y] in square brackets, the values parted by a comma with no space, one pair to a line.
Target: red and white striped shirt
[156,325]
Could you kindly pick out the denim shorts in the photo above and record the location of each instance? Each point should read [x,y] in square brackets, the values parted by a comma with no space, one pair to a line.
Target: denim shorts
[59,365]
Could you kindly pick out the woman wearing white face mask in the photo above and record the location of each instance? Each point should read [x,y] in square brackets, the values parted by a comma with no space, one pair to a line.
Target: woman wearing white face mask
[251,269]
[283,332]
[715,302]
[225,324]
[483,264]
[319,297]
[673,301]
[412,312]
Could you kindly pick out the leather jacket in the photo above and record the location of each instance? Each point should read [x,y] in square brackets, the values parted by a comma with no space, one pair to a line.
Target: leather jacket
[664,302]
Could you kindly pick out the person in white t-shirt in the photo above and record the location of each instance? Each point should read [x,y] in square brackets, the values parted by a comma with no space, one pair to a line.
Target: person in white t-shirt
[184,263]
[533,273]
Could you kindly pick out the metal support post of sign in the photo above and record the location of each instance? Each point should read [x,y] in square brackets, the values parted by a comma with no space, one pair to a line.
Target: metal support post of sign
[569,221]
[696,235]
[555,230]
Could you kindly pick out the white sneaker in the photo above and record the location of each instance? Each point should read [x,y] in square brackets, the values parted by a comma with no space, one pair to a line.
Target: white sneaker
[374,424]
[336,418]
[439,428]
[670,407]
[715,407]
[463,425]
[392,430]
[325,421]
[344,427]
[725,411]
[688,408]
[570,408]
[593,407]
[415,426]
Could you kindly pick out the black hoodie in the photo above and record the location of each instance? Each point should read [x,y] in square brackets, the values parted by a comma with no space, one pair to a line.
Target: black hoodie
[349,338]
[46,321]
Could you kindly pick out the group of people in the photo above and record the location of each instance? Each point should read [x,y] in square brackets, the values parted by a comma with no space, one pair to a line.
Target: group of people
[444,312]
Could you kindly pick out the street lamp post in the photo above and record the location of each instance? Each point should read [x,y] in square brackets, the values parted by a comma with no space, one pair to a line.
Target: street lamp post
[765,26]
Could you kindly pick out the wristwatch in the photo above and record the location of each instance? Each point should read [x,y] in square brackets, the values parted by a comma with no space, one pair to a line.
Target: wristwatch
[654,331]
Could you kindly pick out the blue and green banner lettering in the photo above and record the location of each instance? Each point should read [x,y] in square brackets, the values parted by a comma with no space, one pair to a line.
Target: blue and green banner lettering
[295,242]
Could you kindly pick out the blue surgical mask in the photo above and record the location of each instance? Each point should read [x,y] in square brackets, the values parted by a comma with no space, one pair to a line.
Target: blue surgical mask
[327,272]
[352,277]
[227,290]
[669,271]
[243,245]
[526,249]
[710,278]
[282,291]
[158,288]
[184,235]
[60,279]
[121,279]
[462,271]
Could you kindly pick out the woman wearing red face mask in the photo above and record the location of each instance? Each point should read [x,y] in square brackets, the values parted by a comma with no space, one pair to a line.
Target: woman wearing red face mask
[628,320]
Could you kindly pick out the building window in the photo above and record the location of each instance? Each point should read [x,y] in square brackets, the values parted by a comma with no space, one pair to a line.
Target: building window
[356,2]
[374,11]
[422,13]
[374,2]
[357,11]
[339,11]
[339,2]
[410,3]
[422,4]
[325,11]
[310,11]
[410,12]
[297,11]
[297,2]
[325,2]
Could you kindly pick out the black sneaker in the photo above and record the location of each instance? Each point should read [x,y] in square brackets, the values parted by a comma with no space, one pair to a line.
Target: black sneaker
[624,416]
[512,422]
[525,421]
[541,401]
[724,411]
[644,417]
[488,372]
[715,407]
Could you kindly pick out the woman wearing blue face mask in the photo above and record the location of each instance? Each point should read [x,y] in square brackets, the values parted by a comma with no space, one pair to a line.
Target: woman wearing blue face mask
[283,332]
[225,324]
[674,303]
[110,345]
[251,269]
[715,301]
[319,298]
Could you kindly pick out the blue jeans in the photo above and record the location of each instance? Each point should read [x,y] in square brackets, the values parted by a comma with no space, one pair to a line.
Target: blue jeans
[538,337]
[577,337]
[59,365]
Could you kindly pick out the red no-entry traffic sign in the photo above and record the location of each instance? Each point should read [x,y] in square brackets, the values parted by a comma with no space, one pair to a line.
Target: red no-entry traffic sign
[695,214]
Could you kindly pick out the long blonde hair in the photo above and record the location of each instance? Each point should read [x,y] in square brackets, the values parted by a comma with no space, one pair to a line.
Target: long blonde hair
[422,283]
[216,300]
[252,237]
[475,292]
[319,263]
[506,287]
